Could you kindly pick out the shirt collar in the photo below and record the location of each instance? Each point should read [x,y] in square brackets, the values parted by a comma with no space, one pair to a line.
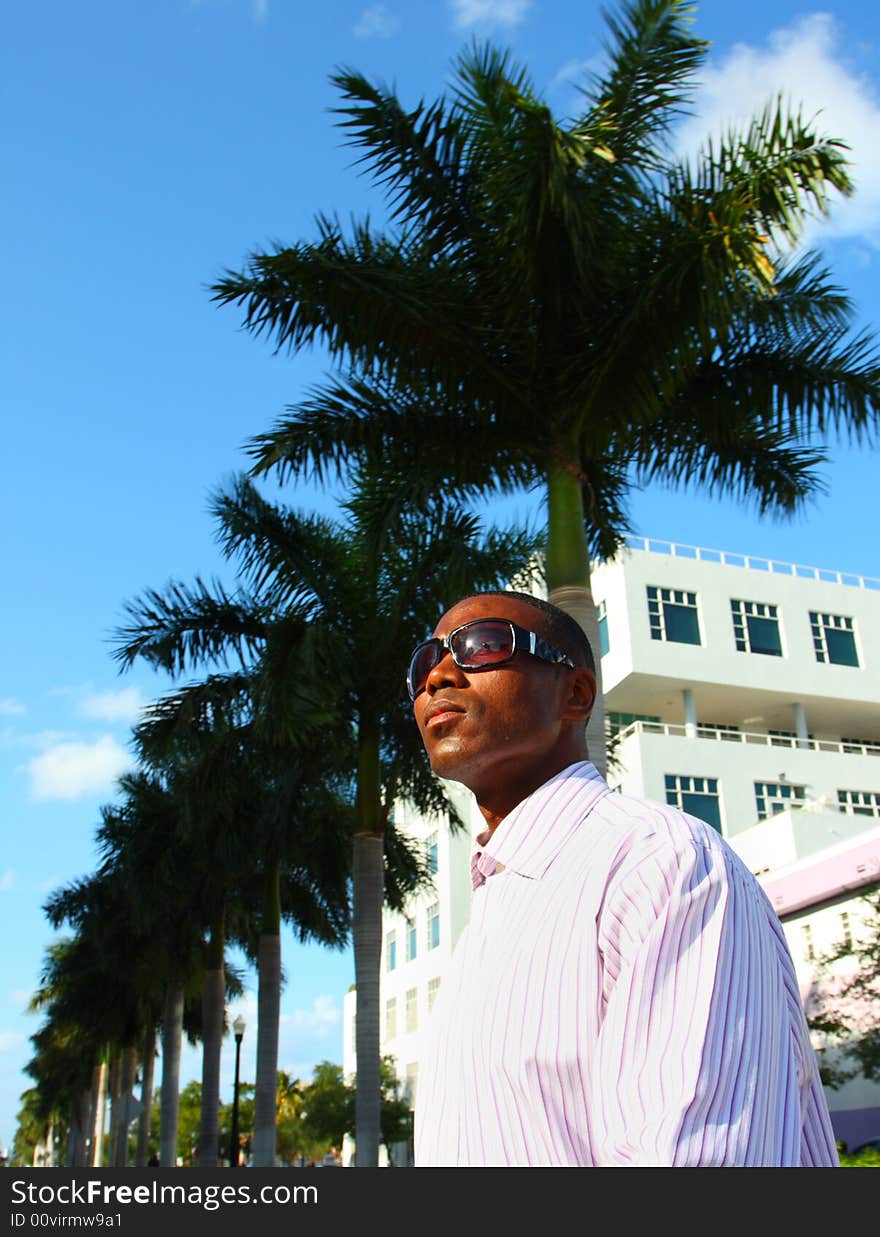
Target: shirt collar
[532,835]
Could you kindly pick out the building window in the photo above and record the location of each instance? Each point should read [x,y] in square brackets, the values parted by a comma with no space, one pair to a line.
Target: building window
[619,721]
[434,925]
[846,930]
[718,730]
[756,627]
[807,942]
[774,797]
[412,1009]
[391,1018]
[390,951]
[865,747]
[672,615]
[698,796]
[834,638]
[859,802]
[433,989]
[603,628]
[411,939]
[431,847]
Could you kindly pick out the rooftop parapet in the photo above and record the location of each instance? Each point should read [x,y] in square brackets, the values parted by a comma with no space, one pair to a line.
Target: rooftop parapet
[770,566]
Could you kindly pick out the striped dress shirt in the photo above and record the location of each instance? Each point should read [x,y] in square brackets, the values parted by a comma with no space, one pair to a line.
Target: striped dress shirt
[622,995]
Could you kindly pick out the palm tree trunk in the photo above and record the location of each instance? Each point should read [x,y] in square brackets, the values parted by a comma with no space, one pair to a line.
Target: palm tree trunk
[146,1096]
[126,1086]
[268,1013]
[568,585]
[98,1114]
[368,891]
[76,1135]
[115,1092]
[213,1005]
[172,1031]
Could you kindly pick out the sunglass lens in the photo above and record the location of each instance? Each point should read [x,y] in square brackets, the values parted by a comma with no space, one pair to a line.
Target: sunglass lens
[482,644]
[424,659]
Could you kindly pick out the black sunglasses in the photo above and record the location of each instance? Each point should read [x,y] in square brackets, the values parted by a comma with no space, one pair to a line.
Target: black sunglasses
[481,644]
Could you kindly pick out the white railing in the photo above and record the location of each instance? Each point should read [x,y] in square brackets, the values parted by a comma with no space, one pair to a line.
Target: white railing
[677,730]
[672,548]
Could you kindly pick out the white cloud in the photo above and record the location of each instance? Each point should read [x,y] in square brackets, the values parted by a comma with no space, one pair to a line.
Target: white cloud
[11,708]
[124,705]
[804,64]
[489,12]
[70,770]
[7,880]
[304,1025]
[43,739]
[574,72]
[376,23]
[10,1041]
[19,997]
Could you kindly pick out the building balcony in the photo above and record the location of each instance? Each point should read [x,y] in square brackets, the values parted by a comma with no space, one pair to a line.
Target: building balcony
[756,738]
[739,777]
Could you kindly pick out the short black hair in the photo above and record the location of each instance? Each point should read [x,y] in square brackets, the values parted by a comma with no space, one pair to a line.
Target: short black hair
[559,628]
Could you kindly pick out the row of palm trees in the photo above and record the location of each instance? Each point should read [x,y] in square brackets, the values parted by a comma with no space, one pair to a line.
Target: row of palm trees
[556,304]
[258,782]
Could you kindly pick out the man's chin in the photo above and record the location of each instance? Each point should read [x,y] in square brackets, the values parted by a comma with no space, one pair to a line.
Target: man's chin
[448,764]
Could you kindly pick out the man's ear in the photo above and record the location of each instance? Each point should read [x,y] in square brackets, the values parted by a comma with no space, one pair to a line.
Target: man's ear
[581,695]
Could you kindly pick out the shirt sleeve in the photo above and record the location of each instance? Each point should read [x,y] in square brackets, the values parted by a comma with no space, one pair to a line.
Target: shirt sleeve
[703,1055]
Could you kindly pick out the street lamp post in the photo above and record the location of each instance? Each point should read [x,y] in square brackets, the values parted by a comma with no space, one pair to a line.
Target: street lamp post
[238,1028]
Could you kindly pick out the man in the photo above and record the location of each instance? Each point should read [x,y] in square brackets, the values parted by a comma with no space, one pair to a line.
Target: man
[622,994]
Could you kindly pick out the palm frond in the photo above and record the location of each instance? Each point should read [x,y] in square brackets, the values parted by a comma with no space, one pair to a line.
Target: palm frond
[652,58]
[744,459]
[189,625]
[437,440]
[291,559]
[416,156]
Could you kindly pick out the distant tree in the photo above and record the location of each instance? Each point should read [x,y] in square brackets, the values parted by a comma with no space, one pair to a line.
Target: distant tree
[295,1141]
[32,1126]
[844,1005]
[397,1125]
[329,1106]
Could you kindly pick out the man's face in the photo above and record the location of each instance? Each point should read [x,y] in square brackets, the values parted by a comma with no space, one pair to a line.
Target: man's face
[504,723]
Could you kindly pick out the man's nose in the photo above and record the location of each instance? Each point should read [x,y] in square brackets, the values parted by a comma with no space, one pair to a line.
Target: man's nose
[445,673]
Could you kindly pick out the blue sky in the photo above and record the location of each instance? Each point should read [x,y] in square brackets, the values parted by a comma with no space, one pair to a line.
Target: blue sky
[149,146]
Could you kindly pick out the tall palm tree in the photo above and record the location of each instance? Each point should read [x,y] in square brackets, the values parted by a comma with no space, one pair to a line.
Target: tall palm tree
[173,831]
[368,589]
[167,845]
[103,956]
[271,811]
[564,304]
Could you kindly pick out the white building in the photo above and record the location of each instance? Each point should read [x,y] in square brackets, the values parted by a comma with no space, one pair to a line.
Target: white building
[741,690]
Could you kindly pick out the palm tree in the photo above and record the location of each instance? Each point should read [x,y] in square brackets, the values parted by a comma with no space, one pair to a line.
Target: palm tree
[275,827]
[177,817]
[104,956]
[142,916]
[563,304]
[368,589]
